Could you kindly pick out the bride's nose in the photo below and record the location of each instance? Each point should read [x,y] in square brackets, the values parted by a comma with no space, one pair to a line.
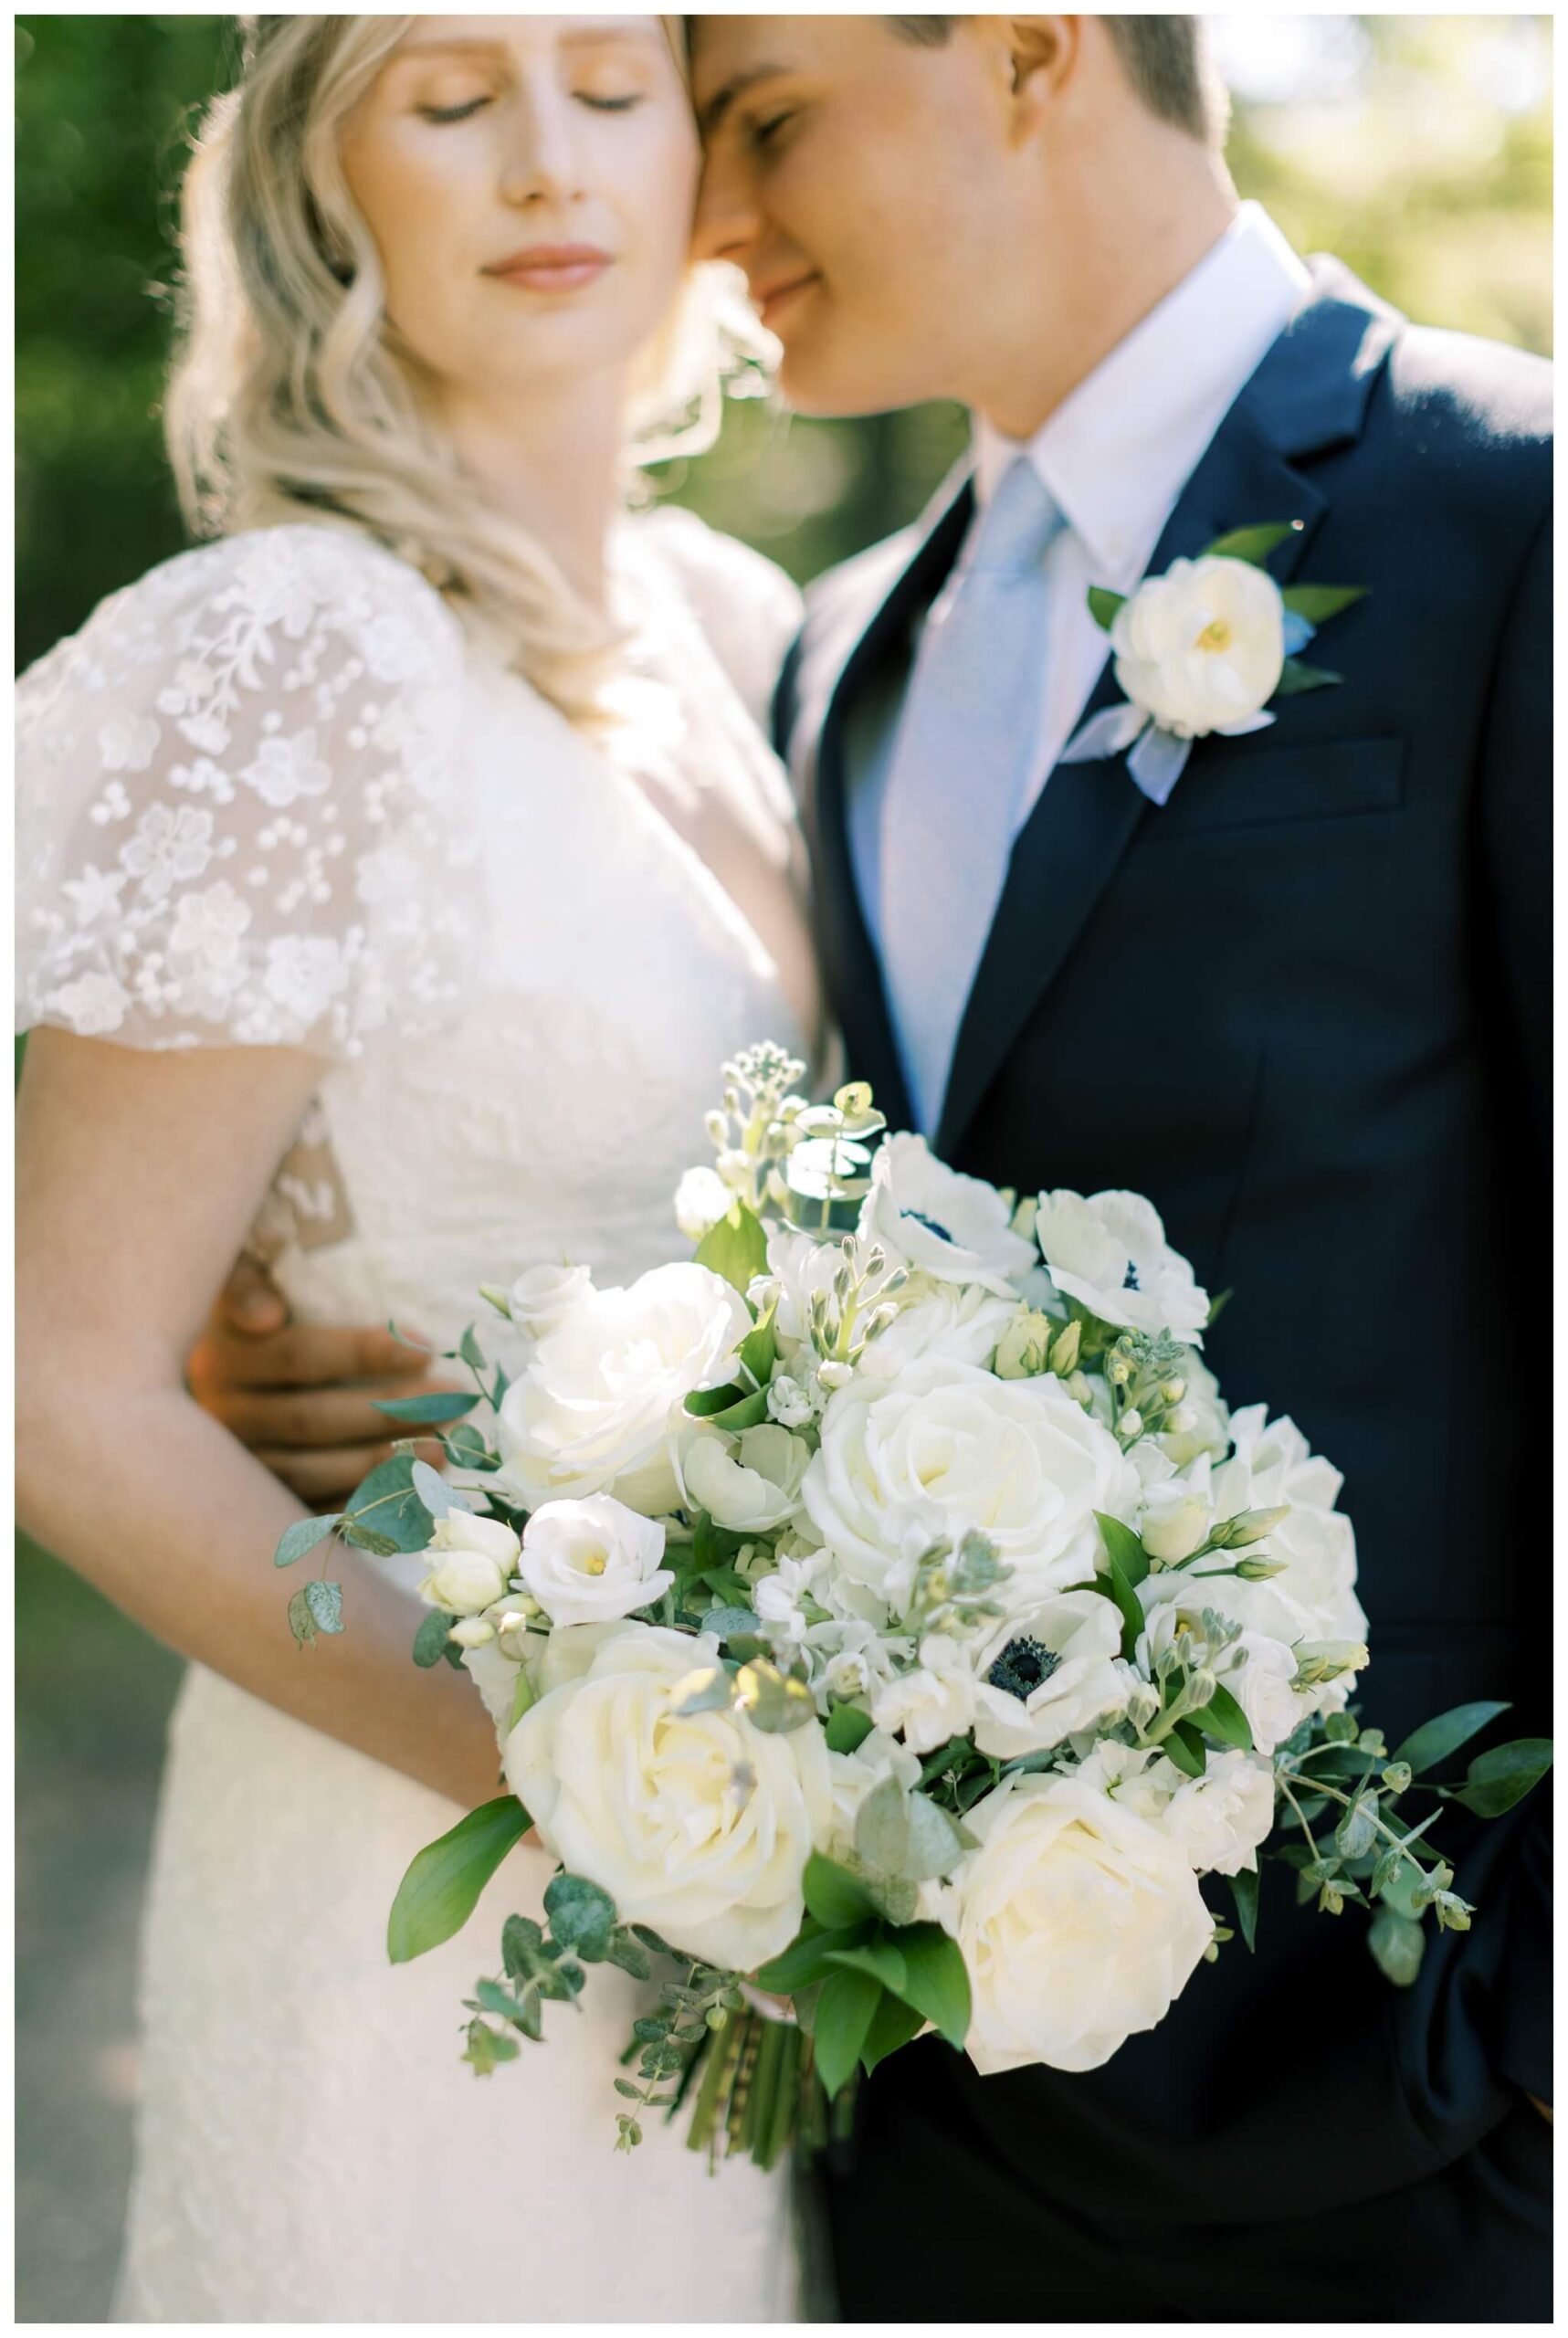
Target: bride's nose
[543,162]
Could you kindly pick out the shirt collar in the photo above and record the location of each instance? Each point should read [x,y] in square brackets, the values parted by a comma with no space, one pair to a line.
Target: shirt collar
[1118,450]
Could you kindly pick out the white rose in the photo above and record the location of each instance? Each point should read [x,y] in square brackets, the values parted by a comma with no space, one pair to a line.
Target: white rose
[1046,1671]
[955,1448]
[588,1561]
[542,1297]
[1220,1819]
[702,1199]
[1202,648]
[954,1229]
[602,1402]
[932,1704]
[1080,1922]
[963,1322]
[1109,1253]
[474,1560]
[758,1488]
[697,1824]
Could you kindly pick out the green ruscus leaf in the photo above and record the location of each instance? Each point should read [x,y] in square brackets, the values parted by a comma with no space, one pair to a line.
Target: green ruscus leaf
[844,2011]
[441,1889]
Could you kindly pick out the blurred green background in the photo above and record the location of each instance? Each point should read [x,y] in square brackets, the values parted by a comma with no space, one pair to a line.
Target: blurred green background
[1417,147]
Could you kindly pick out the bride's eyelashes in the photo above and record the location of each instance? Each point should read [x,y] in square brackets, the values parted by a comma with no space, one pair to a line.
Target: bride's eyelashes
[595,100]
[462,113]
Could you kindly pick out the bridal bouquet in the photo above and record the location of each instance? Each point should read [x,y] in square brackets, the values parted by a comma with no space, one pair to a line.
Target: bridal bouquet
[882,1610]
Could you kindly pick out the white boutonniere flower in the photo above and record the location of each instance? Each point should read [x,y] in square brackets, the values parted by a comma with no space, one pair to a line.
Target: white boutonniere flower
[1204,647]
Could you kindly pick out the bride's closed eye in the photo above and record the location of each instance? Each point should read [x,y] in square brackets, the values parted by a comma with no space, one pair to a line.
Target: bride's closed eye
[459,112]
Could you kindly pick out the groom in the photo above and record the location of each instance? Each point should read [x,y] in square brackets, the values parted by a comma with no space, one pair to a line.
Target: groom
[1302,1002]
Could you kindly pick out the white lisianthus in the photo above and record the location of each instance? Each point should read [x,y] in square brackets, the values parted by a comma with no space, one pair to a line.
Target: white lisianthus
[1200,648]
[590,1561]
[799,1267]
[694,1823]
[1048,1670]
[602,1404]
[1220,1819]
[1257,1667]
[1273,1468]
[1260,1674]
[933,1702]
[951,1227]
[753,1489]
[545,1296]
[1080,1922]
[702,1199]
[472,1560]
[1109,1251]
[1176,1515]
[1022,1353]
[957,1448]
[963,1322]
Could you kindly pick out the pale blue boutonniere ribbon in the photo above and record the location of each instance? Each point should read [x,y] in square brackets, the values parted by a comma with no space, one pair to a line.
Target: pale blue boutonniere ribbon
[1156,754]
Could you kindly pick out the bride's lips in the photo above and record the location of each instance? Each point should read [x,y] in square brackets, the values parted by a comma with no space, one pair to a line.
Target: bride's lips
[771,299]
[552,268]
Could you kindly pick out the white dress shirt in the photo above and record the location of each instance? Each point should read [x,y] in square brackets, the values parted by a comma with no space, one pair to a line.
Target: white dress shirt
[1116,455]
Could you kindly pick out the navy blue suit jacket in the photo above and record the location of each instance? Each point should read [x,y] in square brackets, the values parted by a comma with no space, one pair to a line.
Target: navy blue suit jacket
[1304,1007]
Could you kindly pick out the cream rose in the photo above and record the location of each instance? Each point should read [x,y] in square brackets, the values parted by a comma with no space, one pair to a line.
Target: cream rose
[1080,1922]
[697,1824]
[1109,1253]
[951,1227]
[589,1561]
[602,1403]
[1200,648]
[953,1446]
[472,1560]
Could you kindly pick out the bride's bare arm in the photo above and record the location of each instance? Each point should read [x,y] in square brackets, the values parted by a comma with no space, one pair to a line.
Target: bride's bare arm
[137,1176]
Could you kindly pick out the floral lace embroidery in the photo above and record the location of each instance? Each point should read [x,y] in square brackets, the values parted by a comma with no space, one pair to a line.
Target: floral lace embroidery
[235,793]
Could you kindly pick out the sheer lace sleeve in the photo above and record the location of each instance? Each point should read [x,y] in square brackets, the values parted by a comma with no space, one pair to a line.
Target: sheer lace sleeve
[748,608]
[236,804]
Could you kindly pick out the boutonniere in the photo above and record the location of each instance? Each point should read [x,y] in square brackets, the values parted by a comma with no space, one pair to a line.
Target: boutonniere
[1206,647]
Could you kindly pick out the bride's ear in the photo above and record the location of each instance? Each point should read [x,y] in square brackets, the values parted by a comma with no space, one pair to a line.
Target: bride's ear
[1044,55]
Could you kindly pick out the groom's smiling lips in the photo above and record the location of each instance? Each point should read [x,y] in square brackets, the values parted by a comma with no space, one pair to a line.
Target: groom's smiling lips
[768,299]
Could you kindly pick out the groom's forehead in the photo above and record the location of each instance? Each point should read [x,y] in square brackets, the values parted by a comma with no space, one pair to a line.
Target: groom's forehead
[731,55]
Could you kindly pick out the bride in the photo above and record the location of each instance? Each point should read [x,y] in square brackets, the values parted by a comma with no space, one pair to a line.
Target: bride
[429,799]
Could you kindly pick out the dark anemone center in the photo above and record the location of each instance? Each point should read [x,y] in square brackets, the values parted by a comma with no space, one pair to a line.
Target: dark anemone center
[1022,1666]
[1131,1281]
[931,1225]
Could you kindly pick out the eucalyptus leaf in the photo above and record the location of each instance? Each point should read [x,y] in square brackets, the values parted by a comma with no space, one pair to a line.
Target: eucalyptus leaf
[430,1639]
[581,1916]
[304,1536]
[427,1412]
[372,1539]
[1435,1740]
[731,1623]
[472,1354]
[325,1601]
[775,1702]
[387,1504]
[438,1498]
[1398,1943]
[487,2046]
[302,1623]
[709,1690]
[441,1889]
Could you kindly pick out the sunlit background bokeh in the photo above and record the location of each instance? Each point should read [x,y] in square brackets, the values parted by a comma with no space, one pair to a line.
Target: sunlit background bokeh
[1417,147]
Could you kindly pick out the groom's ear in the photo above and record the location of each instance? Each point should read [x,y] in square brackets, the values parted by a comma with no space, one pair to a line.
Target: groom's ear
[1043,54]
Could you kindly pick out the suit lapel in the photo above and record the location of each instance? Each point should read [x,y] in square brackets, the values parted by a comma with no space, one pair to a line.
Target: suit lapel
[1309,392]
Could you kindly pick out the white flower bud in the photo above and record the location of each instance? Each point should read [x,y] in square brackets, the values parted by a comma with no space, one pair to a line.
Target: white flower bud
[835,1375]
[472,1631]
[1131,1423]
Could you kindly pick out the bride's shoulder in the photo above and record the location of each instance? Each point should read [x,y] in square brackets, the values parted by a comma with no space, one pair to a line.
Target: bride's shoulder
[255,601]
[747,606]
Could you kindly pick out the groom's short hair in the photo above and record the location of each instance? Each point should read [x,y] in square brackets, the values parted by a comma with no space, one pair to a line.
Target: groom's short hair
[1165,59]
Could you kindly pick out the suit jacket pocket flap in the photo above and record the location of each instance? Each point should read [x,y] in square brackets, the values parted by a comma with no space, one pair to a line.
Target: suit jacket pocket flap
[1238,785]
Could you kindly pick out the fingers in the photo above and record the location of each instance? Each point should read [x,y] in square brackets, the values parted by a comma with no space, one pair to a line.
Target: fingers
[251,1301]
[313,1418]
[305,1355]
[326,1479]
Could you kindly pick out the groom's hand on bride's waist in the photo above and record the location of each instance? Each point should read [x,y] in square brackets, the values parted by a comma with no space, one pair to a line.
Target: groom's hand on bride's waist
[300,1394]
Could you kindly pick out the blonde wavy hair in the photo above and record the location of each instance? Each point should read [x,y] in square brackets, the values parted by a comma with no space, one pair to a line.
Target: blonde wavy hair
[290,400]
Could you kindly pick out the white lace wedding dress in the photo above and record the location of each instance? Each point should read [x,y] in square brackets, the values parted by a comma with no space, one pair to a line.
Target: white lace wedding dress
[270,794]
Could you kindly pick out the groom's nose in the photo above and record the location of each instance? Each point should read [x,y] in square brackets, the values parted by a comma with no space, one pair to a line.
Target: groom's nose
[729,219]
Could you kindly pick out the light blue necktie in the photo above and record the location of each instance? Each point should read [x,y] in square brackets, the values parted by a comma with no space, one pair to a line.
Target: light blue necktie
[964,751]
